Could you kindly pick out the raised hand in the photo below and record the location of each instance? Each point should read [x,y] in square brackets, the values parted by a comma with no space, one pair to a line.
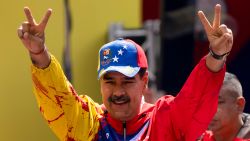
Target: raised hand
[33,38]
[32,34]
[219,36]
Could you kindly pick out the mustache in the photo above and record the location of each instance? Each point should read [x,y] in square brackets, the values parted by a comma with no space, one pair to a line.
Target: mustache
[115,98]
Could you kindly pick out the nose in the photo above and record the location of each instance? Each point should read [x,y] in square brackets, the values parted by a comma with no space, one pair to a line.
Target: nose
[217,114]
[119,91]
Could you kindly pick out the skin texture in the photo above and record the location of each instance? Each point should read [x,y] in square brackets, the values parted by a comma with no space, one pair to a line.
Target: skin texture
[122,95]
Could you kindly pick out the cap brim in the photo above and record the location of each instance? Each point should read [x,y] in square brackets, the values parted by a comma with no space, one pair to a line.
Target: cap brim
[126,70]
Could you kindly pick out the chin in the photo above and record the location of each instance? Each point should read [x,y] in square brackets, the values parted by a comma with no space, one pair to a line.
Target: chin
[122,116]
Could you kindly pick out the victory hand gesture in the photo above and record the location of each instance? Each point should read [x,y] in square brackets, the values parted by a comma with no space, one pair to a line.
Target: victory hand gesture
[32,34]
[219,36]
[33,38]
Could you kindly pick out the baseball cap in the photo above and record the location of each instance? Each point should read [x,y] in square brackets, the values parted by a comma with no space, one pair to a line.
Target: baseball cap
[121,55]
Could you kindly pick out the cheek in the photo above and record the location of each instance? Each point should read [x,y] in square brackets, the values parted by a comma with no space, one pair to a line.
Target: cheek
[105,92]
[136,88]
[135,99]
[135,103]
[224,112]
[105,89]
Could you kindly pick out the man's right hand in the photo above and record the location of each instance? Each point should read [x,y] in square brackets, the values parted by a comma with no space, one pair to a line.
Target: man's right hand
[33,38]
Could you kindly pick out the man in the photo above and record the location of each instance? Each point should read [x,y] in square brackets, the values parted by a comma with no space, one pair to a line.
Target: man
[229,122]
[123,76]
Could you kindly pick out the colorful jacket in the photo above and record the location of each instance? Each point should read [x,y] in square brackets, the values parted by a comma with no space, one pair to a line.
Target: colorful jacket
[74,117]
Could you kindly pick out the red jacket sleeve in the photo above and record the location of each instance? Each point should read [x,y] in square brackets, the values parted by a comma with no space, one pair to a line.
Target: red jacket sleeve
[187,116]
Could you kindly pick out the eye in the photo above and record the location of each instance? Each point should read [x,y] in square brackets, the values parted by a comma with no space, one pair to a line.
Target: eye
[109,82]
[221,101]
[128,83]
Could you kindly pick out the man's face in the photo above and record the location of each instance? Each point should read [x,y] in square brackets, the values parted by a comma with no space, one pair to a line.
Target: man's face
[227,112]
[122,95]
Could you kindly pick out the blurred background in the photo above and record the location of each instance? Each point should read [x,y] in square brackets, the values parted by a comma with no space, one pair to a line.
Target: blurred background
[168,30]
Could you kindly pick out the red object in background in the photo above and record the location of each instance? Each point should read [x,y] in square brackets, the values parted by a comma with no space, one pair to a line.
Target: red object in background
[238,10]
[150,9]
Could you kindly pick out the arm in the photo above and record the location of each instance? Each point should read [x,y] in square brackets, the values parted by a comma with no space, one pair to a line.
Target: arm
[70,116]
[220,38]
[187,116]
[197,101]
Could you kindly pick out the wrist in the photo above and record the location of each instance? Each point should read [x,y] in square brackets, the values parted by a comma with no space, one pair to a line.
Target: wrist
[41,60]
[217,56]
[214,65]
[39,52]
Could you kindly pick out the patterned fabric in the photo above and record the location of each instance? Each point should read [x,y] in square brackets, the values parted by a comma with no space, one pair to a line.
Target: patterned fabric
[124,56]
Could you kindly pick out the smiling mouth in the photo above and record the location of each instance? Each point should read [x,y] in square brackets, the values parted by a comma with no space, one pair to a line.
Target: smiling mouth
[119,100]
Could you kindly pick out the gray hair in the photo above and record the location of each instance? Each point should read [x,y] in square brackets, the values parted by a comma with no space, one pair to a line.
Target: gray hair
[233,84]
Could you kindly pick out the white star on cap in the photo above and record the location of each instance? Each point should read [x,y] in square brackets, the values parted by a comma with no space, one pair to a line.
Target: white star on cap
[115,59]
[120,52]
[125,47]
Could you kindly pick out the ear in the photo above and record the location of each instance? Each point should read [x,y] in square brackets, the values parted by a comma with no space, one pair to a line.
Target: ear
[241,103]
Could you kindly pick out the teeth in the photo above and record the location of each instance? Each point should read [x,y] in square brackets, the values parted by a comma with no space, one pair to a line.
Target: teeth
[120,102]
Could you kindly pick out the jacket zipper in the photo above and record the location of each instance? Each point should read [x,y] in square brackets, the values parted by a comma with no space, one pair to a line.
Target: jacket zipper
[124,130]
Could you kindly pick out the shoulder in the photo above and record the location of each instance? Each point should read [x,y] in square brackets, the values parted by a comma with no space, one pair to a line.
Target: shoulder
[164,101]
[246,119]
[245,130]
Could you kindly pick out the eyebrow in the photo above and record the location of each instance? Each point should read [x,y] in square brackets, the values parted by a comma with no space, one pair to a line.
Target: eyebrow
[106,77]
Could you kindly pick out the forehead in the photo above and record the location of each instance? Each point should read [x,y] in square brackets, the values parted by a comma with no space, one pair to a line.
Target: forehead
[117,75]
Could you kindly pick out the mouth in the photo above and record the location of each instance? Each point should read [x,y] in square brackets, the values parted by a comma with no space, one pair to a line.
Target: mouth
[119,100]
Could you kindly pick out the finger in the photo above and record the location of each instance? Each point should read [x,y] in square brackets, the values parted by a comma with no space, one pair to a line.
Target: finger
[29,16]
[224,39]
[45,19]
[26,35]
[206,24]
[20,32]
[26,26]
[223,28]
[29,37]
[217,16]
[229,39]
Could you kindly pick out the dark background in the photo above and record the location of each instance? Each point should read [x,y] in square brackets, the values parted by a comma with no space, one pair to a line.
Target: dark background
[181,53]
